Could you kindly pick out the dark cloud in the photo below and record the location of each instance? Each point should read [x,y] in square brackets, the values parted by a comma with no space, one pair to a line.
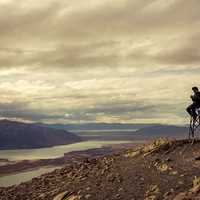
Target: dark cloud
[184,51]
[30,115]
[127,110]
[63,56]
[60,52]
[23,111]
[188,52]
[12,106]
[52,35]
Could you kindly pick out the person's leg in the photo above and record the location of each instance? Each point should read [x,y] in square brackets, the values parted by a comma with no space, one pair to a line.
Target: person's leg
[194,114]
[198,109]
[191,109]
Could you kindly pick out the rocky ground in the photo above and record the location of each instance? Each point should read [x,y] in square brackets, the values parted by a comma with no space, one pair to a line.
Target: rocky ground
[12,167]
[161,170]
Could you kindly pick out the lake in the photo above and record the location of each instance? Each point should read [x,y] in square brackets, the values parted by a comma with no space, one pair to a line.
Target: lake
[54,152]
[44,153]
[18,178]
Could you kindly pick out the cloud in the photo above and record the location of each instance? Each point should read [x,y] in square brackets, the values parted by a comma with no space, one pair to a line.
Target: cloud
[23,111]
[72,61]
[65,34]
[186,53]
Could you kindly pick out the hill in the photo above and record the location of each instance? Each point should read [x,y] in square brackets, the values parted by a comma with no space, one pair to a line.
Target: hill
[170,131]
[16,135]
[103,131]
[97,126]
[163,169]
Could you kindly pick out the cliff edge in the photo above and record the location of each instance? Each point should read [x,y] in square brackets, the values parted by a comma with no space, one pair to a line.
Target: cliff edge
[163,169]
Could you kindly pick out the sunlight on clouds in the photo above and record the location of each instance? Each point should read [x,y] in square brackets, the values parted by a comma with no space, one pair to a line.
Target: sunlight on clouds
[116,96]
[160,5]
[5,1]
[98,61]
[82,84]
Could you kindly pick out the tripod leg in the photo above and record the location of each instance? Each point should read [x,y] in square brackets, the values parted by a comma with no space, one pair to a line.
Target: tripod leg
[197,128]
[193,127]
[190,128]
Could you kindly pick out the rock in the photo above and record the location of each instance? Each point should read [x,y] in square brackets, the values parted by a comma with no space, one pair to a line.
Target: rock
[172,190]
[180,182]
[193,193]
[120,189]
[73,197]
[168,159]
[111,177]
[157,160]
[41,195]
[132,154]
[163,167]
[152,193]
[166,194]
[180,196]
[174,173]
[61,195]
[141,178]
[67,196]
[152,197]
[196,185]
[158,143]
[119,178]
[154,188]
[197,158]
[87,196]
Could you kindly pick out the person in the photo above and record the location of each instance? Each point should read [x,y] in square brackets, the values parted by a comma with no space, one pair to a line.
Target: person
[191,109]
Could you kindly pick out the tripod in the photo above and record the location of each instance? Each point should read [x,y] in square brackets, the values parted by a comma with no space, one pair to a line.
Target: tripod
[194,125]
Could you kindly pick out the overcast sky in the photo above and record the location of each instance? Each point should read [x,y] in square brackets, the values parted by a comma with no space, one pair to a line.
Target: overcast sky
[128,61]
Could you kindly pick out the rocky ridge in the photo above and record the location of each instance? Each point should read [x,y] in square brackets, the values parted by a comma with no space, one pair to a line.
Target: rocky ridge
[163,169]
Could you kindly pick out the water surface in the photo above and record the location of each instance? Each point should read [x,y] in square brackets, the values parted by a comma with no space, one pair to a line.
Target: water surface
[44,153]
[18,178]
[53,152]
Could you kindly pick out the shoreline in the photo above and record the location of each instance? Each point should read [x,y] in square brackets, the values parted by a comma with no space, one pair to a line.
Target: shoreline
[13,168]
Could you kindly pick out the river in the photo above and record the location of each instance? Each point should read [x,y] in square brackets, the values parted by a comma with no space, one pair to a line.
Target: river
[44,153]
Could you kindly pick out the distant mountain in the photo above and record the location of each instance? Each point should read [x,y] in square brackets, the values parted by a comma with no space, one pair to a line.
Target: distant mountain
[97,126]
[170,131]
[142,131]
[16,135]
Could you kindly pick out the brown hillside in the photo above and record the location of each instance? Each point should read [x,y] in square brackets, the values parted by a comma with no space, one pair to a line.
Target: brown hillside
[161,170]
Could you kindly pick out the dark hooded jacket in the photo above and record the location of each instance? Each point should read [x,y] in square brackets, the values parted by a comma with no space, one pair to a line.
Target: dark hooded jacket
[196,98]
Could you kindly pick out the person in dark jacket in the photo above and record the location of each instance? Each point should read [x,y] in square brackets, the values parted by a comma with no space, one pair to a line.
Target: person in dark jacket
[191,109]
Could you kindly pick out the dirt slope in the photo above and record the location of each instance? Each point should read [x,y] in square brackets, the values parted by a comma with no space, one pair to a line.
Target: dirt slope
[161,170]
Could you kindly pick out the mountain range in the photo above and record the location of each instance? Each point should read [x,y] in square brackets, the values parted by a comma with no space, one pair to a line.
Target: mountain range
[18,135]
[170,131]
[97,126]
